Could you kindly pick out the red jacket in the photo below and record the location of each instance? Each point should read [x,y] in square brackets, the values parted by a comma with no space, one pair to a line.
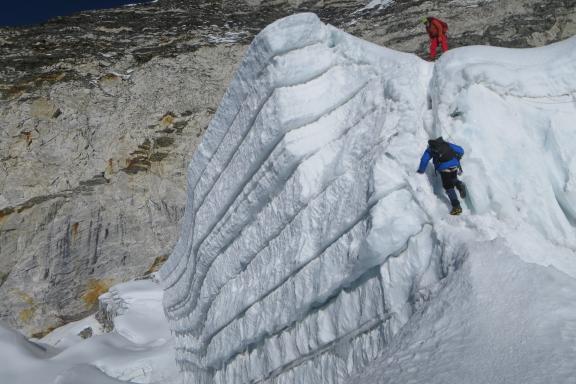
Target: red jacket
[436,27]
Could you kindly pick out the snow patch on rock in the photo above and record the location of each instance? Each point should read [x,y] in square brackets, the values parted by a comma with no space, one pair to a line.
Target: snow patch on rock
[139,350]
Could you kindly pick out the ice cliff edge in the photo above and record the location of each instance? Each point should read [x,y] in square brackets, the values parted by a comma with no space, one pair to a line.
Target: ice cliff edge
[308,242]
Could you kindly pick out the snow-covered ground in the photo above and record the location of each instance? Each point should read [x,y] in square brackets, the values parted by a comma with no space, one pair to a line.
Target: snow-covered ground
[139,350]
[495,320]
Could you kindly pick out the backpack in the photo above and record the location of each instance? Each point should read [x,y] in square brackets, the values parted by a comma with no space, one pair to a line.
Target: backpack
[444,26]
[441,151]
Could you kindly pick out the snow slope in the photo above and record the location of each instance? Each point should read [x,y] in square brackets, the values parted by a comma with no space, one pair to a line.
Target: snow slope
[139,350]
[309,241]
[496,320]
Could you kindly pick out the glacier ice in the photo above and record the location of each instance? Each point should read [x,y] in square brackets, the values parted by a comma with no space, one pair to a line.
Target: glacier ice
[308,242]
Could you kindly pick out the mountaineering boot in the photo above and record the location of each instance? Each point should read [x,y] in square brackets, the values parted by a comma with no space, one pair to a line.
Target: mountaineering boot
[456,211]
[461,187]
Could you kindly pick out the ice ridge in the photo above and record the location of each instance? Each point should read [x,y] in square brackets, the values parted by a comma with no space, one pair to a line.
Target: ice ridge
[307,242]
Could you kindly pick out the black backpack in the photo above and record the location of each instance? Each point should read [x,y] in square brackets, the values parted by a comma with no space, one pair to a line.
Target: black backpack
[441,150]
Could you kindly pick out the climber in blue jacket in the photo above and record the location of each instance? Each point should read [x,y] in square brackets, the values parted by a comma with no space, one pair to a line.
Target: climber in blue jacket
[446,158]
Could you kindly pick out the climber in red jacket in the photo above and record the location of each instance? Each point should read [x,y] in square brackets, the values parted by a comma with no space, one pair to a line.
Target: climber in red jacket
[436,29]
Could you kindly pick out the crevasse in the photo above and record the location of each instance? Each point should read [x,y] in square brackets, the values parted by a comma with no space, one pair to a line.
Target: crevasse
[308,241]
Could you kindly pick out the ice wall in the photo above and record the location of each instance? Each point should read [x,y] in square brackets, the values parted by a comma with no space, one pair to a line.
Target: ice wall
[276,276]
[308,241]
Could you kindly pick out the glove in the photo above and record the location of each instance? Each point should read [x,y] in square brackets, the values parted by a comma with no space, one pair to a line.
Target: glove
[420,172]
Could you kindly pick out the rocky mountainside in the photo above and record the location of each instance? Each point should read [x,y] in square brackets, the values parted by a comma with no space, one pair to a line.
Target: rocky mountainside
[100,113]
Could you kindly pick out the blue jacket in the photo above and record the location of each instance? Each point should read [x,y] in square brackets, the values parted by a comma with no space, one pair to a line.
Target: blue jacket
[427,155]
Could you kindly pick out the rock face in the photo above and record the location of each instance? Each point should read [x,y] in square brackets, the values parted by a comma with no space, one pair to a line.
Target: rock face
[100,113]
[93,181]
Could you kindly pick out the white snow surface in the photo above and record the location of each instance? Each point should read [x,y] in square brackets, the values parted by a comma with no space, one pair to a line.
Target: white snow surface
[139,350]
[311,250]
[495,320]
[226,37]
[377,4]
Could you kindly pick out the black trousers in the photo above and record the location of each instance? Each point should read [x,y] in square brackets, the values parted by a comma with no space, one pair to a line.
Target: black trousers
[450,179]
[449,182]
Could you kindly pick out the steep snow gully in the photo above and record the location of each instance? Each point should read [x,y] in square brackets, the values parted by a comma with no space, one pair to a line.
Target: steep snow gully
[309,244]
